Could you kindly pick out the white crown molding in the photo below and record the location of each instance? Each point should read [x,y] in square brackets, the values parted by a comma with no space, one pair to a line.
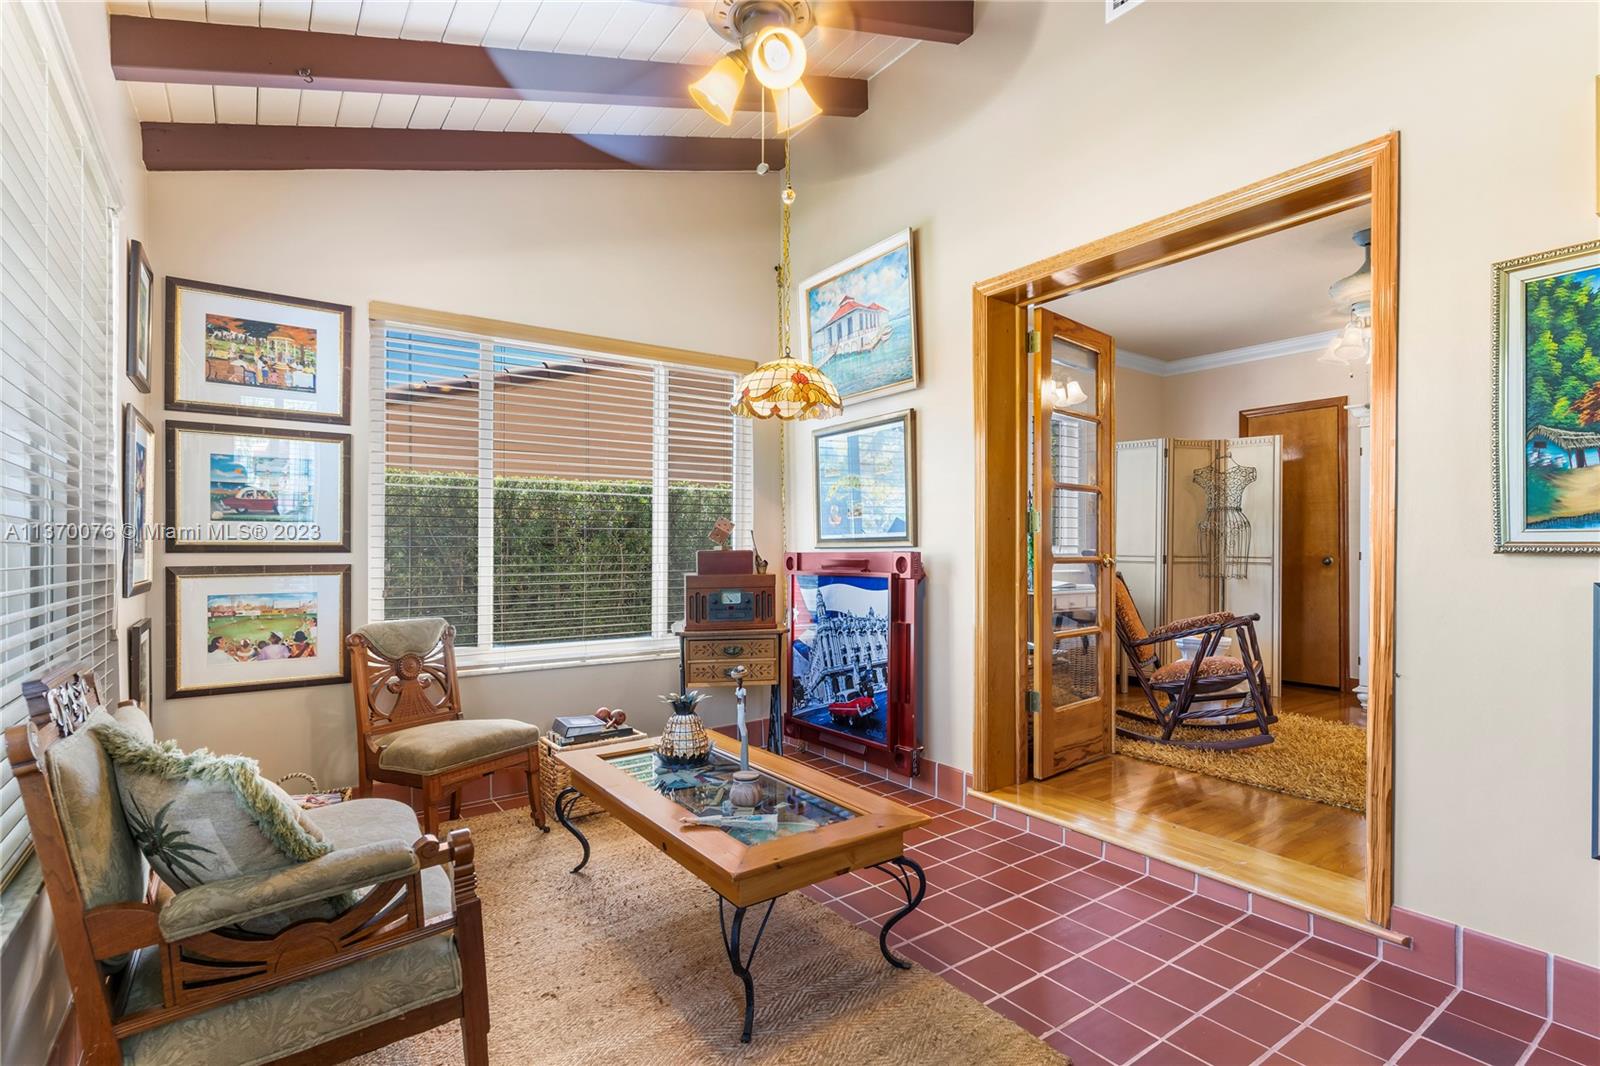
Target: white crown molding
[1253,353]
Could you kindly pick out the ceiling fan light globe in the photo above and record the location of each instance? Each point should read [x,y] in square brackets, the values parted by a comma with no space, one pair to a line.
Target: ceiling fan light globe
[717,90]
[777,57]
[792,108]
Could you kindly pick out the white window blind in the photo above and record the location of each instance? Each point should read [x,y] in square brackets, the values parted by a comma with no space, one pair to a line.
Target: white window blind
[58,592]
[547,502]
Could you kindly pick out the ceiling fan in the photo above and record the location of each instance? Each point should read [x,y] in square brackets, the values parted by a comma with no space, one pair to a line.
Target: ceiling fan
[769,41]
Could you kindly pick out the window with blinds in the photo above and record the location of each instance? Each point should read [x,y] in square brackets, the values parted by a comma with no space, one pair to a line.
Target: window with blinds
[547,502]
[58,551]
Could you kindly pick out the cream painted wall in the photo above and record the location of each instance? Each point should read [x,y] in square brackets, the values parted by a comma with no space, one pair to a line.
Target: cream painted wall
[1141,405]
[674,259]
[1049,128]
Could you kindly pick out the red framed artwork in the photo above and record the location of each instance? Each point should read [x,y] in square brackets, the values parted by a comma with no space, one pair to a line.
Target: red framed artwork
[853,667]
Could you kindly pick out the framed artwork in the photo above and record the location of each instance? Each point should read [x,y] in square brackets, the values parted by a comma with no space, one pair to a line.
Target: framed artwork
[231,487]
[247,628]
[141,315]
[861,320]
[138,460]
[866,474]
[1547,401]
[139,659]
[241,352]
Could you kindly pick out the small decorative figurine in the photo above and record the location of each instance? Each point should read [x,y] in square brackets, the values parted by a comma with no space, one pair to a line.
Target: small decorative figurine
[683,742]
[746,788]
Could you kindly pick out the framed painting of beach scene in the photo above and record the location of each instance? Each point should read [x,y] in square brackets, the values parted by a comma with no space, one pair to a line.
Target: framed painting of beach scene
[231,487]
[1547,401]
[138,474]
[141,315]
[861,320]
[866,481]
[246,628]
[241,352]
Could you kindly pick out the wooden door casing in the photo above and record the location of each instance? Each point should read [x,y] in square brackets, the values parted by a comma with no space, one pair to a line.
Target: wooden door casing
[1315,530]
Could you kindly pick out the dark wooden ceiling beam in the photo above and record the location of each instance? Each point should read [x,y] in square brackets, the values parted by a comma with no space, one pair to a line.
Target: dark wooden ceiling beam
[211,146]
[203,53]
[945,21]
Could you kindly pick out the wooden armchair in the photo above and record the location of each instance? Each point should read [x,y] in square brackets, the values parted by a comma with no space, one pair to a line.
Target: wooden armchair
[173,979]
[409,723]
[1199,693]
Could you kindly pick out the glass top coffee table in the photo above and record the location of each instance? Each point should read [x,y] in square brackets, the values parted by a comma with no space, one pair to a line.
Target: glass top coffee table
[808,827]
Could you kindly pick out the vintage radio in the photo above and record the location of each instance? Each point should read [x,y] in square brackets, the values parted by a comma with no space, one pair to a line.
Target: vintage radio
[729,601]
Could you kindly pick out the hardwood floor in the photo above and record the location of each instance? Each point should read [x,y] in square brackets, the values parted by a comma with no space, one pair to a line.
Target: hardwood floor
[1269,842]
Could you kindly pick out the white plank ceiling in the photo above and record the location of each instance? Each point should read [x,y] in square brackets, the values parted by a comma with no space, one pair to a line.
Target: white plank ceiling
[619,29]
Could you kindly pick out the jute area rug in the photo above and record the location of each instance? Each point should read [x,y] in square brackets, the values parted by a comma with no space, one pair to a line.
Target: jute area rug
[624,963]
[1312,758]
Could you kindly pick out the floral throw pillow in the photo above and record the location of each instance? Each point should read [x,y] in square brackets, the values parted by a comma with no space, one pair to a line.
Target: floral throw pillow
[199,817]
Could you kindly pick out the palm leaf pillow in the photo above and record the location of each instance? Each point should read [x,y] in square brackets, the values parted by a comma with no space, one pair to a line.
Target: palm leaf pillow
[200,817]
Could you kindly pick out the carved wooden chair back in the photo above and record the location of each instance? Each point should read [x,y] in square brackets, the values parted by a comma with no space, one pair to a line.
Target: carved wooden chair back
[414,688]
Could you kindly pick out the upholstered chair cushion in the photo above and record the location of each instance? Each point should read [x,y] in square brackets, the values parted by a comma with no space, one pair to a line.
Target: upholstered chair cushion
[200,817]
[1179,625]
[105,858]
[1211,668]
[1129,623]
[279,1023]
[404,636]
[439,746]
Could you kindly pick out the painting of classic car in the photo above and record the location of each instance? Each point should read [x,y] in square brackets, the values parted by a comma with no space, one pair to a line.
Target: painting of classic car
[840,654]
[261,488]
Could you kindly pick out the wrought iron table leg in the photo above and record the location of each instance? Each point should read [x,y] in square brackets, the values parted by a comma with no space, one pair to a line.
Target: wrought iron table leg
[739,960]
[903,869]
[567,799]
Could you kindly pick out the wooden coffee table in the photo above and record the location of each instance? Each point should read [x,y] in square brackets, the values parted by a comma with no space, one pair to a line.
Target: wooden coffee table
[808,828]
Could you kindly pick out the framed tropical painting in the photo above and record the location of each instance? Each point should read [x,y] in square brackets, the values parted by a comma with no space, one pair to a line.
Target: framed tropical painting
[867,481]
[231,487]
[246,628]
[1547,401]
[861,320]
[242,352]
[141,315]
[138,462]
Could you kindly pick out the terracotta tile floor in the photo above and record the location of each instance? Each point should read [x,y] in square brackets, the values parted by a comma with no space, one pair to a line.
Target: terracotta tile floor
[1111,966]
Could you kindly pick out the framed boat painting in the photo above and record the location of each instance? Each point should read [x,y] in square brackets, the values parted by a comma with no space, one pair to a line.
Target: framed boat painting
[138,473]
[866,481]
[231,487]
[1547,401]
[861,320]
[141,315]
[241,352]
[247,628]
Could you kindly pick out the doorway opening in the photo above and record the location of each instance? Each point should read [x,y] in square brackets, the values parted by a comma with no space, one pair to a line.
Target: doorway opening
[1201,501]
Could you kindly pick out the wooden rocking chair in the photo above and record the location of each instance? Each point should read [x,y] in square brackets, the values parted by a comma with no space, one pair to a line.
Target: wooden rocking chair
[1197,692]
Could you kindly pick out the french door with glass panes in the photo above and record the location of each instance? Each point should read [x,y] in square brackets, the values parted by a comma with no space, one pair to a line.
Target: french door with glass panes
[1071,705]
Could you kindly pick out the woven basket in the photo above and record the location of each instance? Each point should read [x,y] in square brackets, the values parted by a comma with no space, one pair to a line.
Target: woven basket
[1076,672]
[553,777]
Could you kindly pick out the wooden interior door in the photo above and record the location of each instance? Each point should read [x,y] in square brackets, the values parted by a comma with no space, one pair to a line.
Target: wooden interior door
[1073,469]
[1316,582]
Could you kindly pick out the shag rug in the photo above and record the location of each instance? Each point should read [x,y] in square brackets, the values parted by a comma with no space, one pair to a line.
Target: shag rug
[624,963]
[1312,758]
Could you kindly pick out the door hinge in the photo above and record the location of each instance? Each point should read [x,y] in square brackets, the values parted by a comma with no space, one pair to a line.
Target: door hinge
[1033,701]
[1033,342]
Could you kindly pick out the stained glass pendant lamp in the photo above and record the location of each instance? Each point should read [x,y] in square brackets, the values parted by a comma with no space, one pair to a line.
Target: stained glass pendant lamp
[786,388]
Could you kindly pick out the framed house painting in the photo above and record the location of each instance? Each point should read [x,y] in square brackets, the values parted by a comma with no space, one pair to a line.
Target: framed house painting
[866,476]
[231,487]
[139,658]
[861,320]
[247,628]
[138,458]
[241,352]
[1547,401]
[141,315]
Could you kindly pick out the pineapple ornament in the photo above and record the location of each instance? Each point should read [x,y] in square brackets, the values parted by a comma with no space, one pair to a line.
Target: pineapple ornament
[683,742]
